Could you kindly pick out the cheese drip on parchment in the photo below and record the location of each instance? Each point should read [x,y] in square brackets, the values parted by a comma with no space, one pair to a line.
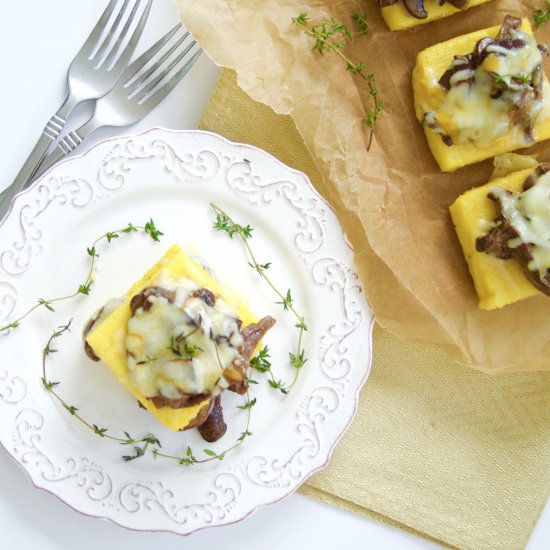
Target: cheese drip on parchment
[181,347]
[529,214]
[470,111]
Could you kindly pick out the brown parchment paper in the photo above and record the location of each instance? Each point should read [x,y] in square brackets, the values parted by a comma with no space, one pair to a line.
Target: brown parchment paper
[453,454]
[392,201]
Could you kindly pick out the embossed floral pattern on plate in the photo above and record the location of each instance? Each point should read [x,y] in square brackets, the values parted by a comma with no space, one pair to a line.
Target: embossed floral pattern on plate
[172,177]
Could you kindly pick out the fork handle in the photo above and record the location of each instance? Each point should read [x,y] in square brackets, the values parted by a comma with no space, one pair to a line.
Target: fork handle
[66,145]
[50,133]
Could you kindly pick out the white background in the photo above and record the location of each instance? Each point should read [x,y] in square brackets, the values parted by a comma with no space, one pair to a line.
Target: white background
[38,40]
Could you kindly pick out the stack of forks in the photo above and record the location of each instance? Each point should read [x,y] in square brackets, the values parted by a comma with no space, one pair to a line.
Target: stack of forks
[123,93]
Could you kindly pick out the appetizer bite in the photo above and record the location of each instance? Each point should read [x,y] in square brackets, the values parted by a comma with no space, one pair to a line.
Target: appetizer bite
[504,230]
[482,94]
[404,14]
[176,341]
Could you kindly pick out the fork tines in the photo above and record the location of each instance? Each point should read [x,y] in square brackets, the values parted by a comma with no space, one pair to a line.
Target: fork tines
[153,75]
[107,42]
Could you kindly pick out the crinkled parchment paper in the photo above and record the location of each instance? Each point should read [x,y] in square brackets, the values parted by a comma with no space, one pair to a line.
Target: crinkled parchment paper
[392,200]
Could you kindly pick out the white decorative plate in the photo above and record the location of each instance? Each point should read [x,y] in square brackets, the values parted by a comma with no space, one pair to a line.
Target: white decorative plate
[172,177]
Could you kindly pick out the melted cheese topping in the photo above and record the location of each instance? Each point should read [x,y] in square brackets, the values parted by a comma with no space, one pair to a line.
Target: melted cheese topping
[497,282]
[529,214]
[398,17]
[107,338]
[181,347]
[102,313]
[467,112]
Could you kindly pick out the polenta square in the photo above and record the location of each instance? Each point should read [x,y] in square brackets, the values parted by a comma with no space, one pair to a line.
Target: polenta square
[398,17]
[497,282]
[107,338]
[482,94]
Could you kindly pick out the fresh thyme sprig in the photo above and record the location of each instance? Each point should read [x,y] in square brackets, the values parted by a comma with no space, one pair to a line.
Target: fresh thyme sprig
[226,224]
[362,21]
[84,288]
[140,444]
[189,458]
[519,78]
[262,364]
[541,16]
[183,349]
[332,36]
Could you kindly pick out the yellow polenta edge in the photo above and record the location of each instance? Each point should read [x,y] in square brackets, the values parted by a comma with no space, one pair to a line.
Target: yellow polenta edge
[107,339]
[398,18]
[497,282]
[432,63]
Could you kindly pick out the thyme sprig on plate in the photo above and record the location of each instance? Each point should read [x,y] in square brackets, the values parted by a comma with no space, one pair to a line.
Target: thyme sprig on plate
[541,16]
[84,288]
[333,36]
[260,363]
[189,458]
[140,444]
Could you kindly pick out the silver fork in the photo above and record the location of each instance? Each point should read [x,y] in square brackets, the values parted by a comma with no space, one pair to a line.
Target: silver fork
[93,72]
[142,86]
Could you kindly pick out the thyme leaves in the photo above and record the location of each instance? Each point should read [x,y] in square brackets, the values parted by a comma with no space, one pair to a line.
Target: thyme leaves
[225,223]
[183,349]
[140,444]
[333,36]
[189,458]
[85,288]
[541,16]
[261,363]
[362,21]
[516,78]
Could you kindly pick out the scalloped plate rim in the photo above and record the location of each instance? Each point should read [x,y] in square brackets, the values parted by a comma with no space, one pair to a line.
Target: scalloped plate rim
[367,363]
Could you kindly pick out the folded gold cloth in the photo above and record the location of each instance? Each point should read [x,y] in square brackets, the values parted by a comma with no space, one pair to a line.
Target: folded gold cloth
[452,454]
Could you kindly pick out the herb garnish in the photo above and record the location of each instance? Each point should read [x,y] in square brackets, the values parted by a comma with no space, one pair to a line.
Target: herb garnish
[332,36]
[541,16]
[182,349]
[85,288]
[362,22]
[260,363]
[140,444]
[519,78]
[189,457]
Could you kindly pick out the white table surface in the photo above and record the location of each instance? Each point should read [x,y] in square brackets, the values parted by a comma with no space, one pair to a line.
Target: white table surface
[39,39]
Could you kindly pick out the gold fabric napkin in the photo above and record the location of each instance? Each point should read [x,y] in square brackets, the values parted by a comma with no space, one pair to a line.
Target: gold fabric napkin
[452,454]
